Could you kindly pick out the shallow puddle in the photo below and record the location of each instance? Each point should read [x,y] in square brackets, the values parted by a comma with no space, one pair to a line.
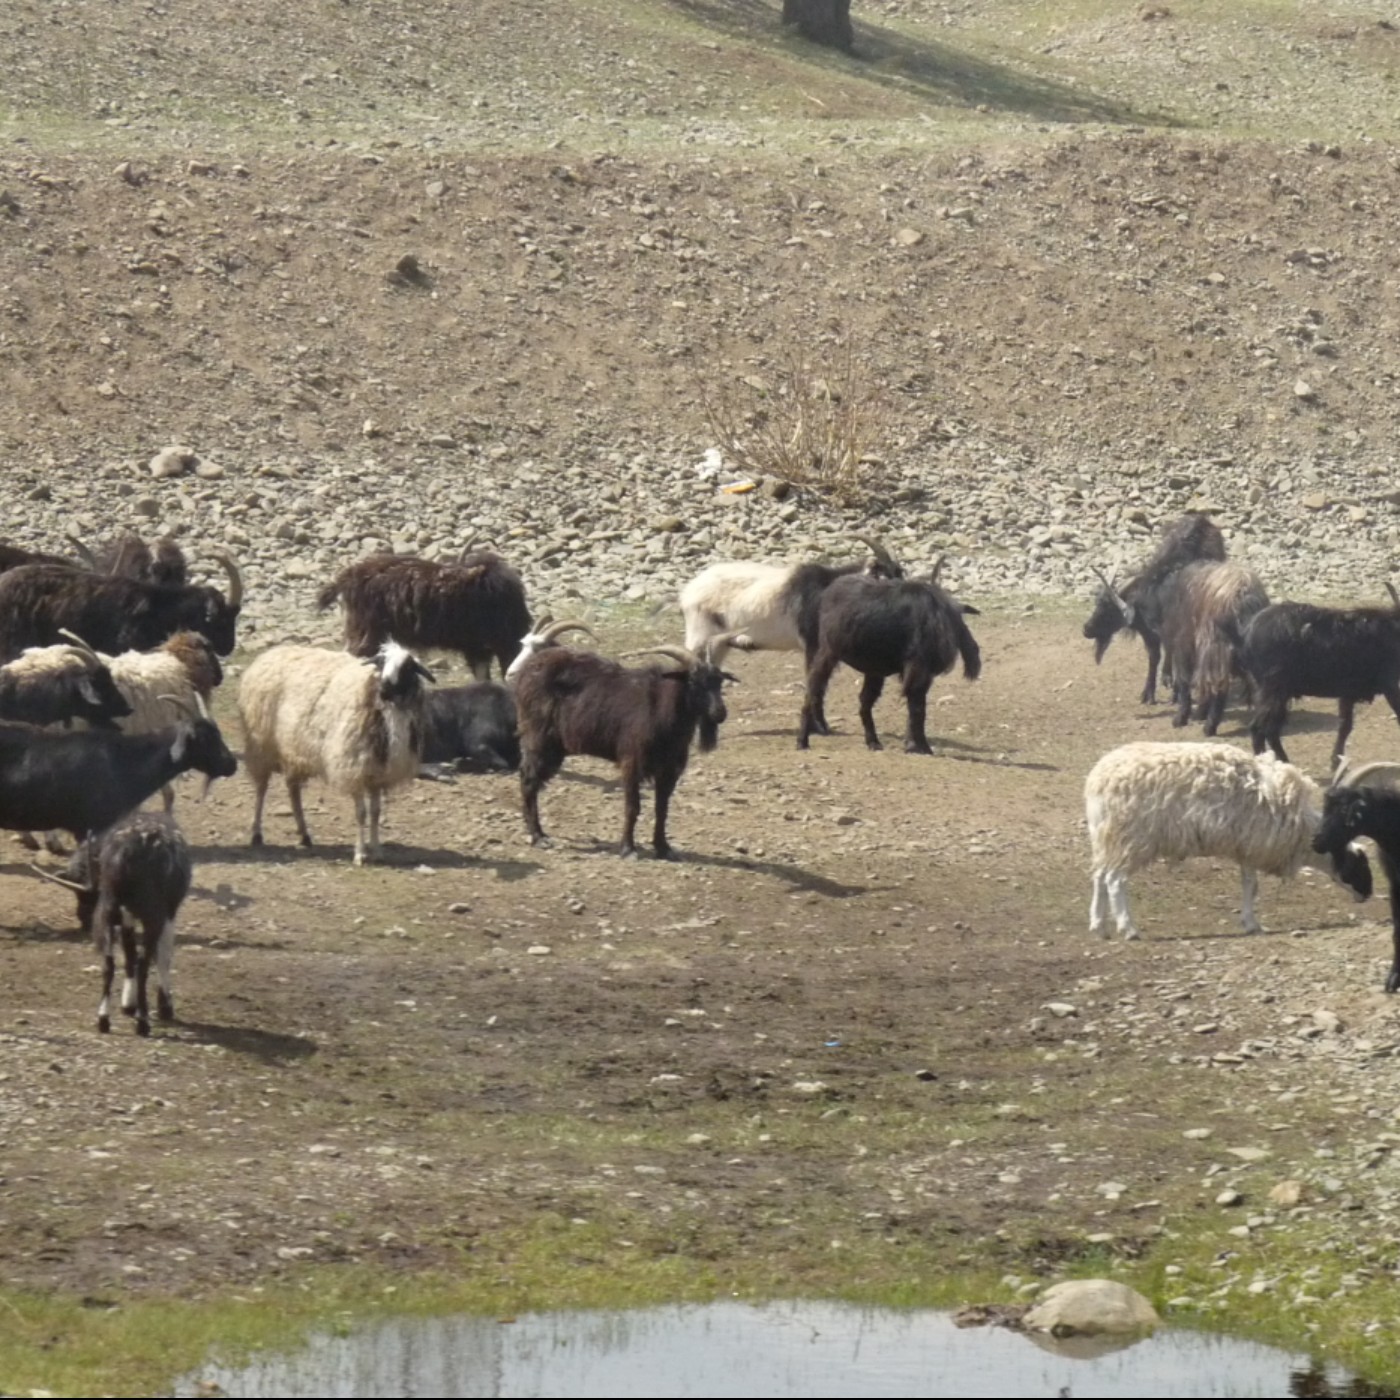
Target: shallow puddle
[770,1349]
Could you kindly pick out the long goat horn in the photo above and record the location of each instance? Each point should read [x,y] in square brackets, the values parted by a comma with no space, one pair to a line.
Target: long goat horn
[235,578]
[181,703]
[686,657]
[1346,776]
[549,633]
[84,553]
[879,551]
[1394,596]
[80,644]
[59,880]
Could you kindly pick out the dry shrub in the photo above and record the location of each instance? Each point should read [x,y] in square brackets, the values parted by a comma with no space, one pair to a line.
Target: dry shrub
[809,421]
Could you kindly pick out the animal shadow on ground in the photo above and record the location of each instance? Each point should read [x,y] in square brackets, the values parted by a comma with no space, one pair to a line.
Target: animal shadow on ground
[793,875]
[268,1046]
[396,856]
[920,67]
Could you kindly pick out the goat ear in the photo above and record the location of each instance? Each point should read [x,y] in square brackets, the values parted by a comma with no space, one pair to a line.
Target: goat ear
[968,610]
[87,690]
[729,676]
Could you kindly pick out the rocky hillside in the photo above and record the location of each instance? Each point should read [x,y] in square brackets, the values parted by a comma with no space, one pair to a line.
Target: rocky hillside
[397,277]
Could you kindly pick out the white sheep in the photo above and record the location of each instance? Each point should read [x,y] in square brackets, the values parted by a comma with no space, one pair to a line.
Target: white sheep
[355,723]
[1153,801]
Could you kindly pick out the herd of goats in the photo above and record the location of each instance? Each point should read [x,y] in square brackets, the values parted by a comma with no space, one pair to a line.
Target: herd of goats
[123,645]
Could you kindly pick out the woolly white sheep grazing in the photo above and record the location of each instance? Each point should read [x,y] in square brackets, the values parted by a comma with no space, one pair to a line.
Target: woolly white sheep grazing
[356,724]
[1154,801]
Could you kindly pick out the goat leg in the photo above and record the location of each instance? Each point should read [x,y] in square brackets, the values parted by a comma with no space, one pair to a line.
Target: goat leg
[109,972]
[537,767]
[259,801]
[665,784]
[294,797]
[869,694]
[916,698]
[1346,722]
[1392,983]
[631,808]
[1154,659]
[819,724]
[360,815]
[813,705]
[165,957]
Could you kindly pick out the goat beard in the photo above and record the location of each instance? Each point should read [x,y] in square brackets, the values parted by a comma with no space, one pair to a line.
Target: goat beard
[708,735]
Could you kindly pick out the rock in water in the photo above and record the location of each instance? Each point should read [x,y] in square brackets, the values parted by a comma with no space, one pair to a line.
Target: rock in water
[1091,1307]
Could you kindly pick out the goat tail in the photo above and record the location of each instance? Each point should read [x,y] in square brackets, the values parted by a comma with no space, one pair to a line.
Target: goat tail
[328,595]
[968,649]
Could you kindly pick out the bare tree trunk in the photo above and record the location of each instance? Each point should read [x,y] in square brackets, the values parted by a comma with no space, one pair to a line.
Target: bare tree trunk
[822,21]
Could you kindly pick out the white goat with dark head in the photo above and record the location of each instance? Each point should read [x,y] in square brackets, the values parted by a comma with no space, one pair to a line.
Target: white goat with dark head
[1146,802]
[356,724]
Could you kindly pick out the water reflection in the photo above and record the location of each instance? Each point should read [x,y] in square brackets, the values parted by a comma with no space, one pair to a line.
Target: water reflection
[740,1349]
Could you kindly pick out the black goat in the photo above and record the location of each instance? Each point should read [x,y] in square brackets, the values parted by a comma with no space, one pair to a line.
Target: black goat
[643,719]
[1138,604]
[41,601]
[1204,609]
[475,606]
[137,872]
[1352,809]
[885,627]
[129,556]
[84,781]
[1296,649]
[473,726]
[58,684]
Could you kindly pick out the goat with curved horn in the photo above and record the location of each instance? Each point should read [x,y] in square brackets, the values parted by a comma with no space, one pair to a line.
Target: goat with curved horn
[235,576]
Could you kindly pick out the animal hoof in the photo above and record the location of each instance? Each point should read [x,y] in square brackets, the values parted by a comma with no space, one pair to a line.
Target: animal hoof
[104,1024]
[666,853]
[874,745]
[165,1008]
[306,842]
[128,1011]
[255,839]
[918,748]
[143,1028]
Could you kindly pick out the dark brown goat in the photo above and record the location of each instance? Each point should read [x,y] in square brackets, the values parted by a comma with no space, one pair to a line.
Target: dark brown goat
[888,627]
[642,719]
[40,601]
[138,872]
[1205,607]
[475,606]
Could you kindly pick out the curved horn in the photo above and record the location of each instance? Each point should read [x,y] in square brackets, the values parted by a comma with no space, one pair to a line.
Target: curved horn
[59,880]
[1113,593]
[81,645]
[1346,776]
[937,568]
[84,553]
[879,551]
[235,579]
[715,649]
[554,630]
[687,658]
[1394,596]
[474,545]
[182,703]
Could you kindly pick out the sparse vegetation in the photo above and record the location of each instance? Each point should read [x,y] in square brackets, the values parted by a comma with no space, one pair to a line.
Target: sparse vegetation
[814,418]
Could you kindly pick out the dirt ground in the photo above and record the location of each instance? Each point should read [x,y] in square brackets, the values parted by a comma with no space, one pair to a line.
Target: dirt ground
[830,1013]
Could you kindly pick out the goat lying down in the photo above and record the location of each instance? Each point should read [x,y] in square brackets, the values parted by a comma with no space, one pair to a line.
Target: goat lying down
[1154,801]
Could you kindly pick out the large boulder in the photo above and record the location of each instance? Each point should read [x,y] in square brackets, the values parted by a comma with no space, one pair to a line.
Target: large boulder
[1091,1307]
